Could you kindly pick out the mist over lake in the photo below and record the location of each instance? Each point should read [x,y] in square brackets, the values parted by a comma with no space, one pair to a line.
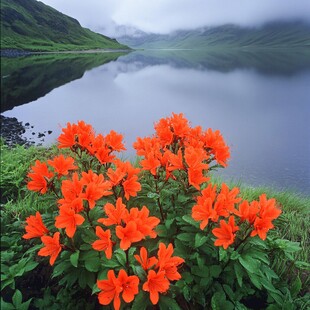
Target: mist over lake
[260,103]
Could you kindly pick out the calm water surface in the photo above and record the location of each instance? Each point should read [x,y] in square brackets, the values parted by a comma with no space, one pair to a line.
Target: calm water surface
[262,111]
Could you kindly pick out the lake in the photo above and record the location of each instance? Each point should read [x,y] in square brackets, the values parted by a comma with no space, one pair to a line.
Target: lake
[260,101]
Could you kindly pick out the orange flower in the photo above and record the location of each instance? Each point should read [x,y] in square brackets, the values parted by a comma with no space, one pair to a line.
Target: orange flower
[68,219]
[115,141]
[104,156]
[131,187]
[168,263]
[115,214]
[164,132]
[179,124]
[225,233]
[35,227]
[128,234]
[144,261]
[129,285]
[215,142]
[105,243]
[156,283]
[175,161]
[248,211]
[39,177]
[268,209]
[261,227]
[110,290]
[52,247]
[72,190]
[145,224]
[68,136]
[203,212]
[267,213]
[95,191]
[226,200]
[196,177]
[116,176]
[113,287]
[151,163]
[85,134]
[62,165]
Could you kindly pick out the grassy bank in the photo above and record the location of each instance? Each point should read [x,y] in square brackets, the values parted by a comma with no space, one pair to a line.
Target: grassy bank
[289,240]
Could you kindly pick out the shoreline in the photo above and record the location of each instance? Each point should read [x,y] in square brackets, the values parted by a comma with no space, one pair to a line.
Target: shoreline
[11,53]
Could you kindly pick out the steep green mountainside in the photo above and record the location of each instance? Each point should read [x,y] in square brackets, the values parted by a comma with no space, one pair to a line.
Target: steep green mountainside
[32,25]
[272,35]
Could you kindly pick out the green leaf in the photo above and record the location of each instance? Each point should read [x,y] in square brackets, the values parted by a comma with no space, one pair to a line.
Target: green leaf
[141,301]
[296,286]
[6,305]
[92,263]
[153,195]
[248,263]
[215,271]
[200,272]
[74,258]
[121,257]
[268,285]
[223,254]
[17,298]
[219,302]
[234,255]
[167,303]
[188,219]
[95,289]
[186,237]
[200,239]
[239,273]
[255,279]
[25,305]
[31,265]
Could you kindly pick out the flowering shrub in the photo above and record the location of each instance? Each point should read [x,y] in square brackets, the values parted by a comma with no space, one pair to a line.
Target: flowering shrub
[158,233]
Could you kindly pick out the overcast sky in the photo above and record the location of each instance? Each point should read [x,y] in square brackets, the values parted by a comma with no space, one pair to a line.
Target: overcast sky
[163,16]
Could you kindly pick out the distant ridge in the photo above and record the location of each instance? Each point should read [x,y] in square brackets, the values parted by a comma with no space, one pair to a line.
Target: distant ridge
[271,35]
[33,26]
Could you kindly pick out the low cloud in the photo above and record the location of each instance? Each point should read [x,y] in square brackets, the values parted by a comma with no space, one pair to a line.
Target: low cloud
[164,16]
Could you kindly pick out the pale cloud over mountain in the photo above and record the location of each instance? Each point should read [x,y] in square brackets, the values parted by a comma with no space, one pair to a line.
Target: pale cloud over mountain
[163,16]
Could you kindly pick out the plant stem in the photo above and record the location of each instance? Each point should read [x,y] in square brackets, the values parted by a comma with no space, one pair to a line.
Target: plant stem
[158,199]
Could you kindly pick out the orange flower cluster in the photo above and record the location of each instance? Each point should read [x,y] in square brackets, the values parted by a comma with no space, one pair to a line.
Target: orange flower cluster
[166,269]
[112,288]
[212,205]
[82,135]
[177,146]
[131,226]
[158,280]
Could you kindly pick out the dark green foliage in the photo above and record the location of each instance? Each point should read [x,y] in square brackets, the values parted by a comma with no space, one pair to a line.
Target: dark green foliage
[32,25]
[253,273]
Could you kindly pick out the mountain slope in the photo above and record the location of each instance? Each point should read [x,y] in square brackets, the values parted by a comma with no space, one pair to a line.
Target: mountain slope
[32,25]
[273,35]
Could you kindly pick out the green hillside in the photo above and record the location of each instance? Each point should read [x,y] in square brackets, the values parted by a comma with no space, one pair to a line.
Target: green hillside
[32,25]
[273,35]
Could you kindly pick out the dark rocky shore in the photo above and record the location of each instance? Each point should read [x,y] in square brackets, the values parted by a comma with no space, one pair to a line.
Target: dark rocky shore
[12,133]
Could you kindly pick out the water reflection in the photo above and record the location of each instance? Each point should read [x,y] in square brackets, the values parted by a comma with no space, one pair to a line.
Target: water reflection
[281,62]
[25,79]
[263,117]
